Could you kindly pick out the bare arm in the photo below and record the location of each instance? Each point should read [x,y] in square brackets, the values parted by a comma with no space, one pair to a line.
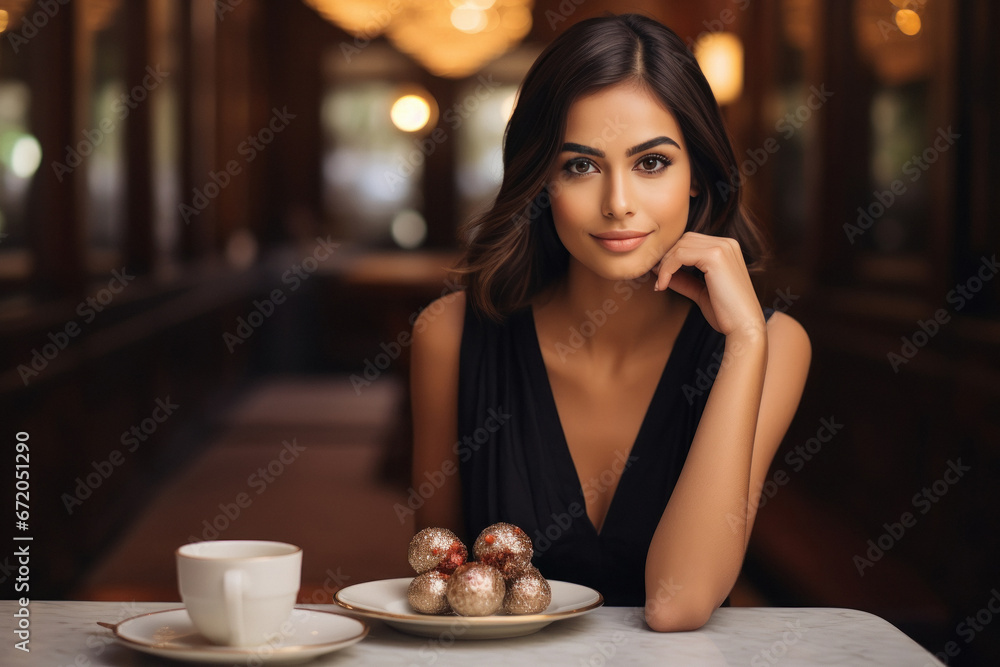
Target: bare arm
[437,335]
[698,547]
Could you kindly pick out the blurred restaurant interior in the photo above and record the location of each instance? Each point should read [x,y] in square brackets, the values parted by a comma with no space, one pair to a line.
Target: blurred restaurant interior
[219,219]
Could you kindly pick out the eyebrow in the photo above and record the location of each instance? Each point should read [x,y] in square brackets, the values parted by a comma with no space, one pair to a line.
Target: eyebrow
[638,148]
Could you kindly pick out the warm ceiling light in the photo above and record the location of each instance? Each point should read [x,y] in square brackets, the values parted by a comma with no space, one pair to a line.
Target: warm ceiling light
[720,55]
[455,39]
[368,18]
[469,19]
[11,12]
[908,22]
[410,113]
[449,38]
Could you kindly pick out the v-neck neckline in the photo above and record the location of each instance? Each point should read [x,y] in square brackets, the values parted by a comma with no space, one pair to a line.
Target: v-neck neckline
[568,465]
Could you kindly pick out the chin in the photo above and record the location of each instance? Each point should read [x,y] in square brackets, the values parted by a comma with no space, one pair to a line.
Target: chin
[618,273]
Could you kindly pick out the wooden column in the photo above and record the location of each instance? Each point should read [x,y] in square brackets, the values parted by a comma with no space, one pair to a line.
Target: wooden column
[292,57]
[56,229]
[844,138]
[977,95]
[439,191]
[141,72]
[197,104]
[237,155]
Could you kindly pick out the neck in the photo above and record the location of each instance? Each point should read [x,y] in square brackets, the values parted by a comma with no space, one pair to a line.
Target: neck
[611,316]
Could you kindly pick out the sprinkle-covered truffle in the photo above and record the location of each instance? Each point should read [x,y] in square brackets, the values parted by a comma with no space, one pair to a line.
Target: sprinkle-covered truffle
[527,593]
[436,549]
[427,593]
[504,546]
[476,589]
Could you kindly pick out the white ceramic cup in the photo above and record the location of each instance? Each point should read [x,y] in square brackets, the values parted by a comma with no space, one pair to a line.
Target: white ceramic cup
[239,592]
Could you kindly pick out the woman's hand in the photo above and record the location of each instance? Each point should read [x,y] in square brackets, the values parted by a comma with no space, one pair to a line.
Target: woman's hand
[726,298]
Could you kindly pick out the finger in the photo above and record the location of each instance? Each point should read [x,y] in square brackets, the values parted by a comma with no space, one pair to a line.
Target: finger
[687,285]
[698,250]
[716,257]
[723,246]
[678,256]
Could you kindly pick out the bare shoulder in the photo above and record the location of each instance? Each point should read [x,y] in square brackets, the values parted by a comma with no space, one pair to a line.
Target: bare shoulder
[788,340]
[786,330]
[439,325]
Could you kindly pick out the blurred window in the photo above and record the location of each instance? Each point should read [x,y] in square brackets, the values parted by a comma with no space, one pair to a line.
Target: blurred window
[102,144]
[372,171]
[898,46]
[20,159]
[479,119]
[166,129]
[792,125]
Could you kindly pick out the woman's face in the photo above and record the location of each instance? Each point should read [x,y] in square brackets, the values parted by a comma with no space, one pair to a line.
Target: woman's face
[621,184]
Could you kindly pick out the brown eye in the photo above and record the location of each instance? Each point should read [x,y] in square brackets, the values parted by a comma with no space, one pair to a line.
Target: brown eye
[579,167]
[653,164]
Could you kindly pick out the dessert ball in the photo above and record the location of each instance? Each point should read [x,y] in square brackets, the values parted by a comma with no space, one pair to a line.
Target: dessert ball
[427,593]
[504,546]
[475,589]
[527,593]
[436,549]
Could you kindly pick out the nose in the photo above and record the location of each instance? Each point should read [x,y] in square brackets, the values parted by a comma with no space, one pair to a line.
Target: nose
[618,198]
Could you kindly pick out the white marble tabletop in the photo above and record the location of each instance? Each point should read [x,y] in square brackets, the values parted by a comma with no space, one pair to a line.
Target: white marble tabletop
[66,634]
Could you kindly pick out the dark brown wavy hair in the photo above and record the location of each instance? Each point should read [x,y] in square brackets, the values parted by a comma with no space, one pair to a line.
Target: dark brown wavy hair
[512,251]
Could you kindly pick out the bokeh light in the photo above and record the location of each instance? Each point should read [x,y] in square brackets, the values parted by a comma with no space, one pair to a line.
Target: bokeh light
[410,113]
[469,19]
[720,55]
[25,156]
[908,22]
[408,229]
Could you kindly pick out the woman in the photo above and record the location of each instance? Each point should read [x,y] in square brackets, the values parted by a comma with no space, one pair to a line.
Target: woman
[608,380]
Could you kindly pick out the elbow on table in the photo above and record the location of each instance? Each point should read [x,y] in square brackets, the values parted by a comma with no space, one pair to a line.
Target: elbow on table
[677,617]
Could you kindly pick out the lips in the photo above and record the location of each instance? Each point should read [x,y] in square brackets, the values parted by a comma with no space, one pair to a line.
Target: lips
[621,240]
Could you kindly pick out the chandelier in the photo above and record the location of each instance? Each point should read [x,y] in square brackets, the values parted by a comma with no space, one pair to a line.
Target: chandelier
[97,14]
[11,12]
[451,38]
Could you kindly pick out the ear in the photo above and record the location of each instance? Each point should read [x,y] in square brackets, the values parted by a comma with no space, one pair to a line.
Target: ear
[695,188]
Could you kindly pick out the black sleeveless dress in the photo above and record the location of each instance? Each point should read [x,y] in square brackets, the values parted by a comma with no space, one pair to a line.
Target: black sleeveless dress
[515,465]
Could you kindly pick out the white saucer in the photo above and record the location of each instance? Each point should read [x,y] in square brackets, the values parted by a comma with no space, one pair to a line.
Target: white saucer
[307,634]
[386,601]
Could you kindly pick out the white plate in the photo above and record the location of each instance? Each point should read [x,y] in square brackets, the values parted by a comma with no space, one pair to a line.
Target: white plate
[386,601]
[306,634]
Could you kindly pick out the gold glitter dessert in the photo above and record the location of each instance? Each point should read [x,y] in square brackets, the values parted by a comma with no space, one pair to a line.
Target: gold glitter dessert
[436,549]
[527,593]
[476,589]
[500,580]
[427,593]
[504,546]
